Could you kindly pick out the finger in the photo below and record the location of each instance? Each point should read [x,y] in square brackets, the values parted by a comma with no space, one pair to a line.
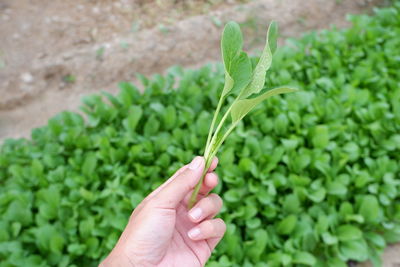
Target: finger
[158,189]
[213,165]
[209,183]
[206,208]
[213,242]
[172,193]
[208,229]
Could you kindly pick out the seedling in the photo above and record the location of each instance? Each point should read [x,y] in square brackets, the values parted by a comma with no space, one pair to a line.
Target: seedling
[69,78]
[244,81]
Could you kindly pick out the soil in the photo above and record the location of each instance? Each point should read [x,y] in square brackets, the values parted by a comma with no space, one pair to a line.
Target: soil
[53,53]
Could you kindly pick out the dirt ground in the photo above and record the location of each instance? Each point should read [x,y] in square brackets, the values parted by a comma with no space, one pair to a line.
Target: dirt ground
[53,53]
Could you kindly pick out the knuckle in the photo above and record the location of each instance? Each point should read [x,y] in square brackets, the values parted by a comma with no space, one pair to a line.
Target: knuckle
[208,202]
[209,226]
[215,178]
[217,200]
[215,160]
[213,174]
[222,226]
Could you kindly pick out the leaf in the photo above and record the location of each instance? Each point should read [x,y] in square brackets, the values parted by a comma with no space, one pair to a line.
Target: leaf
[354,250]
[291,204]
[303,257]
[231,44]
[264,63]
[37,169]
[89,165]
[375,258]
[348,232]
[273,36]
[369,209]
[279,259]
[76,249]
[317,195]
[151,126]
[335,262]
[376,239]
[233,57]
[287,225]
[92,245]
[241,72]
[57,243]
[241,107]
[170,117]
[257,246]
[128,93]
[336,188]
[232,195]
[345,209]
[202,123]
[112,99]
[134,115]
[227,156]
[329,239]
[320,136]
[85,227]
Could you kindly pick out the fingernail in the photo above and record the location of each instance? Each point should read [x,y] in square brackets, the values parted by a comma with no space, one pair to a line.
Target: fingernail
[195,164]
[195,232]
[195,214]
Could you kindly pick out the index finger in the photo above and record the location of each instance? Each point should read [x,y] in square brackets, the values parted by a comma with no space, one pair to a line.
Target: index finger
[212,167]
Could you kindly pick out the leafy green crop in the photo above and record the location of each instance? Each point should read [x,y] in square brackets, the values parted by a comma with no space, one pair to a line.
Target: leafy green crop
[309,179]
[242,78]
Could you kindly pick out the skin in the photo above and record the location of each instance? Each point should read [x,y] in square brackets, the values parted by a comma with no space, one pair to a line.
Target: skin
[162,232]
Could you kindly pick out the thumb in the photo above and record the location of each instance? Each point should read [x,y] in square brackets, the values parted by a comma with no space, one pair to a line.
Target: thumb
[177,189]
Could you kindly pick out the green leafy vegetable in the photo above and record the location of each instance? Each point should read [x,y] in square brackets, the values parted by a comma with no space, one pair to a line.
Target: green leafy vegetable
[239,77]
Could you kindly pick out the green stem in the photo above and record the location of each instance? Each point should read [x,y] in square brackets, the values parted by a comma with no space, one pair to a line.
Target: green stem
[218,129]
[213,121]
[193,197]
[209,152]
[209,158]
[217,146]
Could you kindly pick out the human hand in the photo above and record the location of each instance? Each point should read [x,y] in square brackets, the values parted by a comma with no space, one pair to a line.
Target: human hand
[161,231]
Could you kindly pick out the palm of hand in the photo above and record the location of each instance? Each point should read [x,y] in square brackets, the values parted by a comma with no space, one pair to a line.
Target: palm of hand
[180,250]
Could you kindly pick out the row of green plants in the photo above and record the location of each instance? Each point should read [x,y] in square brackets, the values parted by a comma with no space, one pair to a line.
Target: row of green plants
[309,179]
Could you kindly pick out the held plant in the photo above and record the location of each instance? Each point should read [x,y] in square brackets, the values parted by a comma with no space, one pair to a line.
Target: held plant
[244,81]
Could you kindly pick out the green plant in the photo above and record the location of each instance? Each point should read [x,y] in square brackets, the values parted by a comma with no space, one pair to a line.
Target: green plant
[240,78]
[69,78]
[314,183]
[2,60]
[216,21]
[100,53]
